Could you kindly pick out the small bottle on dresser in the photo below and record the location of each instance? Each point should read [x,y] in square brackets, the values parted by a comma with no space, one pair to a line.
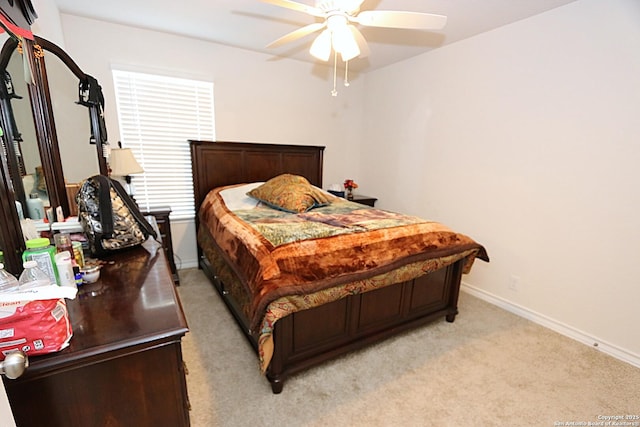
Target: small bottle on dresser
[35,206]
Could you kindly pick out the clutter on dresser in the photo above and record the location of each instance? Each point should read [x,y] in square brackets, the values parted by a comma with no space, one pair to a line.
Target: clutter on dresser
[90,273]
[42,252]
[32,277]
[8,282]
[33,312]
[110,218]
[33,316]
[35,206]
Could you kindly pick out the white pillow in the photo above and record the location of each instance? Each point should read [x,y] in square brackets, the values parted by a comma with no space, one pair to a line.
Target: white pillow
[236,198]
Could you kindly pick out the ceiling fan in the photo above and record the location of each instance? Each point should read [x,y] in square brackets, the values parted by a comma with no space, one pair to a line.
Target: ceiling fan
[339,32]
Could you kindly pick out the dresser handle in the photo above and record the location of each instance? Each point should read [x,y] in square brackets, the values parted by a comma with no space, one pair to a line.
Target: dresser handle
[14,364]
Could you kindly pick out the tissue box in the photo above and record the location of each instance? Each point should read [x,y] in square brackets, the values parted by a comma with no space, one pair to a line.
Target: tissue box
[35,321]
[336,193]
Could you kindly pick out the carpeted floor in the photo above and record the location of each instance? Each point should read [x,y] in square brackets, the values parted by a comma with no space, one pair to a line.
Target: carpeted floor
[488,368]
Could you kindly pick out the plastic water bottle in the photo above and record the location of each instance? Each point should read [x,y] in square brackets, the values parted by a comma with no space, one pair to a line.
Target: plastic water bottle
[8,282]
[32,276]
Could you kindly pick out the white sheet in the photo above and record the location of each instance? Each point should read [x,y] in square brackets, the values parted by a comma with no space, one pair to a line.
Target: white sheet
[236,198]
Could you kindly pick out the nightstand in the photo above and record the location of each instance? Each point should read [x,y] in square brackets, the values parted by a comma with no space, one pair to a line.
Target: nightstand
[364,200]
[164,225]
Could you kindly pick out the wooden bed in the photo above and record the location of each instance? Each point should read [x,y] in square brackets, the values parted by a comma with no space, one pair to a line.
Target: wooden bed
[305,338]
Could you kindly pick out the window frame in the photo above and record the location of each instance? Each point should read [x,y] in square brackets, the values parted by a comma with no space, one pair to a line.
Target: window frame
[157,115]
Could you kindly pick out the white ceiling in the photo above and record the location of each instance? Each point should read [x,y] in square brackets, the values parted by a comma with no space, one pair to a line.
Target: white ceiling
[251,24]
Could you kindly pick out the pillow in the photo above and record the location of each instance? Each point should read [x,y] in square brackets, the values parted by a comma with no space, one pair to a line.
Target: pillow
[290,193]
[236,198]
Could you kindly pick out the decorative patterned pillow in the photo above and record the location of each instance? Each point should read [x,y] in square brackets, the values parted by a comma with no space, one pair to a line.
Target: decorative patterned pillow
[290,193]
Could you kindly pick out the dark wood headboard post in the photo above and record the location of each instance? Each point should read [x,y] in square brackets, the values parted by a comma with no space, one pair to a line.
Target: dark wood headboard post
[219,163]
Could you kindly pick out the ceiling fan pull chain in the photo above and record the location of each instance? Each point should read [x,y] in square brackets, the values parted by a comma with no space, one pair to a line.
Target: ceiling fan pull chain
[334,92]
[346,73]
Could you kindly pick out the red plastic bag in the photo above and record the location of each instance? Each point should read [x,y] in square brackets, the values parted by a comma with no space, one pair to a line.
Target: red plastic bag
[36,322]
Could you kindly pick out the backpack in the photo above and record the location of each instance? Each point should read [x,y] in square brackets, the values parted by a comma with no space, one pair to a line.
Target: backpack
[110,218]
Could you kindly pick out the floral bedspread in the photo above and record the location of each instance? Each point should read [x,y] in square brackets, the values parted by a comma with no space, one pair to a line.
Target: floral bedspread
[290,304]
[277,254]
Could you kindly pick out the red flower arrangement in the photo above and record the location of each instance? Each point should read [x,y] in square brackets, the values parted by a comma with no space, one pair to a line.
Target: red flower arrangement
[350,184]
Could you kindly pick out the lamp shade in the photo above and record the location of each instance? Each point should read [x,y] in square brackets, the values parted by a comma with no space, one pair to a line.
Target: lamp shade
[123,162]
[321,46]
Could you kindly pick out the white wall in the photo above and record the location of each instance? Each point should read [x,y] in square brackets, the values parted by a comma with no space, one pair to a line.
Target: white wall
[523,138]
[48,21]
[526,138]
[257,98]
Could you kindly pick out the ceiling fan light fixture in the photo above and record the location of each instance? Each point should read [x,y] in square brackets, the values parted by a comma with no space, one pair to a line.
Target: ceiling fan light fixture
[344,43]
[321,46]
[342,38]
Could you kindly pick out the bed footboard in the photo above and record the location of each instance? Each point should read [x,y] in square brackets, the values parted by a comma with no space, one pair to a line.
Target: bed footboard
[311,337]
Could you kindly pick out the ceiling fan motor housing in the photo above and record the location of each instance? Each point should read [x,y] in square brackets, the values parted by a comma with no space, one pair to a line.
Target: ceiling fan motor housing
[346,7]
[336,20]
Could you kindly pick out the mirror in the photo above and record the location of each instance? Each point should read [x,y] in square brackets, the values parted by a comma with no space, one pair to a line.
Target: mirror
[8,234]
[47,128]
[26,167]
[73,140]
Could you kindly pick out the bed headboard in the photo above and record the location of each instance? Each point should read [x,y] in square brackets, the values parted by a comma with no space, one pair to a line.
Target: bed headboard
[220,163]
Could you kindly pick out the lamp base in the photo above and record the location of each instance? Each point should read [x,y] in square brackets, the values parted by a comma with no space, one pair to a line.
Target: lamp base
[130,189]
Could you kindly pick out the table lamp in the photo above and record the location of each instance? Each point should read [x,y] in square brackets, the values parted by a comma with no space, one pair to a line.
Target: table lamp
[124,164]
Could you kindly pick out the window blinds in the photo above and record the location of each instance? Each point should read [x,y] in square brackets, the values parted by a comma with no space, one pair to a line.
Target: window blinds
[157,116]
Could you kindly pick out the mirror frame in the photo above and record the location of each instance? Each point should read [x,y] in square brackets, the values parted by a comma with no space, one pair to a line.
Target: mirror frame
[45,128]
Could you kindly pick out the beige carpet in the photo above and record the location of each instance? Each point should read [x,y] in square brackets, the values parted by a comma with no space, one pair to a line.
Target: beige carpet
[489,368]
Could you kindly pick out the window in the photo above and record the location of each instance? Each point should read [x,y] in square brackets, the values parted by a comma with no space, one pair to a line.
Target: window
[157,115]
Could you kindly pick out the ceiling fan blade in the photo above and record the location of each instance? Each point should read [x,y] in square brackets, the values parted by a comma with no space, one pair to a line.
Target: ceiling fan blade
[297,34]
[398,19]
[314,11]
[361,41]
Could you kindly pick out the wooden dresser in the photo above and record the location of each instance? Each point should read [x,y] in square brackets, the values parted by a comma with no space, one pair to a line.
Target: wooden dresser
[124,364]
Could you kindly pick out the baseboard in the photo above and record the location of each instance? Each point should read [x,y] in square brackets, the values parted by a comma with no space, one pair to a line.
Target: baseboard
[184,264]
[554,325]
